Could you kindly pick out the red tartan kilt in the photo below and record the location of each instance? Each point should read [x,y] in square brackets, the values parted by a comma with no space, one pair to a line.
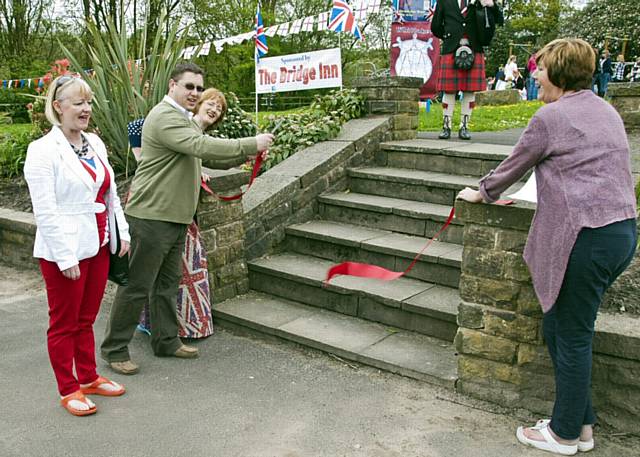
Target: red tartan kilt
[451,79]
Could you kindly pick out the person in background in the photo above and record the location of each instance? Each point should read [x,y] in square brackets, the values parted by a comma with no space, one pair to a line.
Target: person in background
[454,23]
[618,71]
[163,201]
[193,303]
[606,70]
[75,204]
[583,234]
[532,87]
[634,75]
[509,69]
[518,84]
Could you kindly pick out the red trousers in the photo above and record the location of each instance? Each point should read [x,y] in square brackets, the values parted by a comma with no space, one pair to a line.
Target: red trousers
[73,307]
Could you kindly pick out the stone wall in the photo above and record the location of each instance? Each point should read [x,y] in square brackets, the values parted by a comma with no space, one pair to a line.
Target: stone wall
[502,357]
[223,235]
[17,234]
[625,97]
[286,194]
[498,97]
[394,96]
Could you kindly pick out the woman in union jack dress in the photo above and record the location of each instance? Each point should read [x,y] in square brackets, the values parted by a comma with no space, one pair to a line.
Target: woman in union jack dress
[194,296]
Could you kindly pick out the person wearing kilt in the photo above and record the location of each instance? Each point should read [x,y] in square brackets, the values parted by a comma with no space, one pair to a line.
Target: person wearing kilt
[455,22]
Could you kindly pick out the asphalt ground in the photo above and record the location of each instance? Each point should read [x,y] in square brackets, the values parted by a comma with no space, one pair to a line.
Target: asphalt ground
[245,396]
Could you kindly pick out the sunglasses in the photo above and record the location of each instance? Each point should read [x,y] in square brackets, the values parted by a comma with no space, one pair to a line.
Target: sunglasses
[191,86]
[61,82]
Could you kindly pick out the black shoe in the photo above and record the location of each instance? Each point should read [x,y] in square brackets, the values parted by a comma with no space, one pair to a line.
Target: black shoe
[463,133]
[445,134]
[446,128]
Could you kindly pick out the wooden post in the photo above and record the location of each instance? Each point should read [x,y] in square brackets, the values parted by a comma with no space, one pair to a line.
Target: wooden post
[624,46]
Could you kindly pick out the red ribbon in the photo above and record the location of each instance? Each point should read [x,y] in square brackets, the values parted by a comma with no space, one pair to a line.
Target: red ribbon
[257,164]
[365,270]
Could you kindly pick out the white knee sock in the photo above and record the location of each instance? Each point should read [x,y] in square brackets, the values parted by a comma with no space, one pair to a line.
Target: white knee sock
[448,104]
[468,103]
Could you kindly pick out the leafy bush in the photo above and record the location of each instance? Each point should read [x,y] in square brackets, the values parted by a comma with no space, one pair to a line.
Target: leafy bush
[13,151]
[295,132]
[124,89]
[237,123]
[14,103]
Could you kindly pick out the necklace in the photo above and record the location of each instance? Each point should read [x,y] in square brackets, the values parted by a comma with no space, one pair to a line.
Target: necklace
[83,150]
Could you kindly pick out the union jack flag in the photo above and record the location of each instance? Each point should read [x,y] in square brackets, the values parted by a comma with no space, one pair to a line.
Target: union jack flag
[342,19]
[261,39]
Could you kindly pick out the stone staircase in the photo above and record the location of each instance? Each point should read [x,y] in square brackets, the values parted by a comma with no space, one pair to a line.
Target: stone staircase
[405,326]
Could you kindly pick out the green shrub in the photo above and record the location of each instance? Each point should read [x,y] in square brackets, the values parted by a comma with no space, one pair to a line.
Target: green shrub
[14,103]
[13,151]
[297,131]
[237,123]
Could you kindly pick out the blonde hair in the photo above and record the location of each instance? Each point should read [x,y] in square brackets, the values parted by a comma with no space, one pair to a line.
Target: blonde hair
[57,89]
[570,63]
[214,94]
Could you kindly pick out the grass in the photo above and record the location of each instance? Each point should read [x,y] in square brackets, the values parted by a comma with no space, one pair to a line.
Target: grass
[14,129]
[484,118]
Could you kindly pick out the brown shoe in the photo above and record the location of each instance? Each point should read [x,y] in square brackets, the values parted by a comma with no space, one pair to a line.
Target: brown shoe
[127,367]
[186,352]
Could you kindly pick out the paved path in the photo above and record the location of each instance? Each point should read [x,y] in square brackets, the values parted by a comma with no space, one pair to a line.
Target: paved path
[243,397]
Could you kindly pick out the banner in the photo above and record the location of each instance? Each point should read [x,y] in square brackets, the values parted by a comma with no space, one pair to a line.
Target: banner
[307,70]
[416,52]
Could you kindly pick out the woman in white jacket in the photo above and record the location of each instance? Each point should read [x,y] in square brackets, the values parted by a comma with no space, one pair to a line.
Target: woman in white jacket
[75,205]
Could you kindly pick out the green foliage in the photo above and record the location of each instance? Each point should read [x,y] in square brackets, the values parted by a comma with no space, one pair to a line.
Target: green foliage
[297,131]
[237,123]
[605,18]
[13,148]
[124,91]
[14,104]
[484,118]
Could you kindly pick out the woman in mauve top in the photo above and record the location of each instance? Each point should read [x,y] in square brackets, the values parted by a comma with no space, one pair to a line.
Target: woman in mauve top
[583,234]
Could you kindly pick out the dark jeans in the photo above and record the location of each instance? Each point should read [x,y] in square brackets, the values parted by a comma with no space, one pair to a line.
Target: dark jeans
[155,269]
[598,257]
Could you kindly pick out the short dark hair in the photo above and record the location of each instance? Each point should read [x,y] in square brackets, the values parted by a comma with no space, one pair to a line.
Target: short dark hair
[183,68]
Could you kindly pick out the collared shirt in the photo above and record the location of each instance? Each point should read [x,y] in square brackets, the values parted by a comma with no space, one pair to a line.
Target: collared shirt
[172,102]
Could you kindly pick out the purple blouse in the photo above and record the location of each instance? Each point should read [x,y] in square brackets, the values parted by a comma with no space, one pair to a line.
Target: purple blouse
[583,175]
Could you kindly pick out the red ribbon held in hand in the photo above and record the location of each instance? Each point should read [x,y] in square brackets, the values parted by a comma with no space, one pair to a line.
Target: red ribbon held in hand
[257,164]
[365,270]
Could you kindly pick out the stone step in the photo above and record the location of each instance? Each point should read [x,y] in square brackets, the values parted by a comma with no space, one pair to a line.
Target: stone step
[397,215]
[405,303]
[418,185]
[339,242]
[473,159]
[398,351]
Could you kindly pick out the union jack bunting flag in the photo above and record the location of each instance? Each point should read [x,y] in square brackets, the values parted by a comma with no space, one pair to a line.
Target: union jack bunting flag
[261,39]
[342,19]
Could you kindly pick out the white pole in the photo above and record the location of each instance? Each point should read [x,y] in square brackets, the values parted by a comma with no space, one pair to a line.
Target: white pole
[340,47]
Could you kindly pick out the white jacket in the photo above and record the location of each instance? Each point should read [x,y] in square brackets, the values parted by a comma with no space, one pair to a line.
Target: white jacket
[63,197]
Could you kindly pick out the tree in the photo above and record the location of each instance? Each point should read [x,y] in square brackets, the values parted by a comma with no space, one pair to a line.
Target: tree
[603,18]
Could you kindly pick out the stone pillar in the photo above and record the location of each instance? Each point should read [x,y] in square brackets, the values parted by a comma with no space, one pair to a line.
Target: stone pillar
[625,97]
[502,358]
[222,227]
[395,96]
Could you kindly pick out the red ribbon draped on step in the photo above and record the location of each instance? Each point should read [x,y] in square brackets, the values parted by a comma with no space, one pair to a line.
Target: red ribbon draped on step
[365,270]
[257,164]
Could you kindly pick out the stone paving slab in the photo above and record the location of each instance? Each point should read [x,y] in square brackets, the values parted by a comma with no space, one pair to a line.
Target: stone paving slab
[349,235]
[617,335]
[409,246]
[467,150]
[301,268]
[405,353]
[388,205]
[355,129]
[409,176]
[408,353]
[392,293]
[440,302]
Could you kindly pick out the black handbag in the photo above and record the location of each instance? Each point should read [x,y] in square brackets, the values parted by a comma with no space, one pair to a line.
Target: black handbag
[118,266]
[463,57]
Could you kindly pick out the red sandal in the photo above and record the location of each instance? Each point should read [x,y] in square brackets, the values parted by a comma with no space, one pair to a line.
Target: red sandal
[95,389]
[78,396]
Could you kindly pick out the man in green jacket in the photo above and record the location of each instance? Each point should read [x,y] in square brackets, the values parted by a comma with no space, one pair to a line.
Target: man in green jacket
[162,204]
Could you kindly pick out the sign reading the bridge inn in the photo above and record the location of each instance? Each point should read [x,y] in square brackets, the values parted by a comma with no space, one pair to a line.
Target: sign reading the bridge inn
[307,70]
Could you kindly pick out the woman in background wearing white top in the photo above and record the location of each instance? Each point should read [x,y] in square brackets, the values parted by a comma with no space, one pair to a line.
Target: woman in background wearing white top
[75,205]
